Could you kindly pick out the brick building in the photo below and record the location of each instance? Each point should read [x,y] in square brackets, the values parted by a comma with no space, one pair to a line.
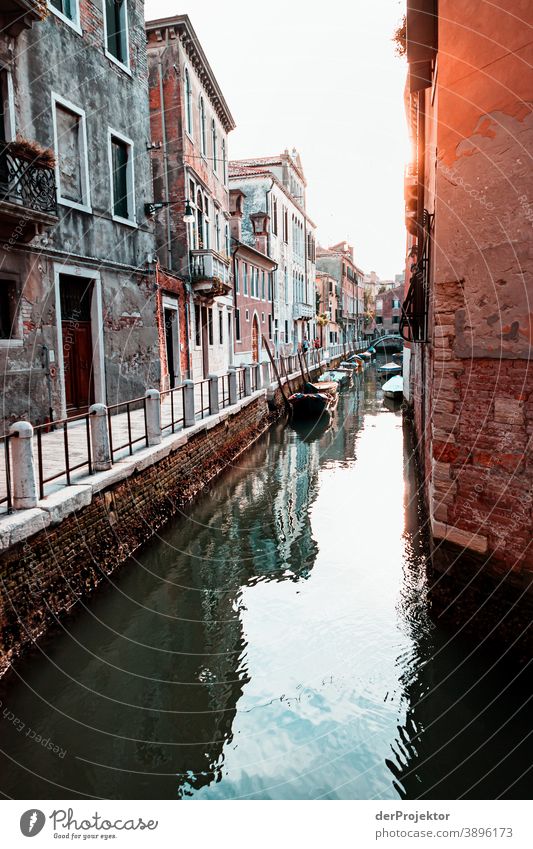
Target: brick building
[190,122]
[388,306]
[338,261]
[77,286]
[253,273]
[276,186]
[468,285]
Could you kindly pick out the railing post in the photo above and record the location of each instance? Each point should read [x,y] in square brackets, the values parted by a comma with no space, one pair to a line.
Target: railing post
[188,403]
[232,380]
[213,394]
[24,480]
[247,369]
[101,449]
[265,368]
[153,416]
[257,369]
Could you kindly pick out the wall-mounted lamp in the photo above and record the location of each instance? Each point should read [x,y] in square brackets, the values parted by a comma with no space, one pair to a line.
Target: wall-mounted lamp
[150,209]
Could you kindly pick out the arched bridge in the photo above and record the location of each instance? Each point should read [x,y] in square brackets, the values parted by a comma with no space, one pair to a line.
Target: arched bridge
[391,342]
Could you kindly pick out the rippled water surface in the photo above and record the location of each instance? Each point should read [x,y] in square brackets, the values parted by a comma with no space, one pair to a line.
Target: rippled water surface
[273,643]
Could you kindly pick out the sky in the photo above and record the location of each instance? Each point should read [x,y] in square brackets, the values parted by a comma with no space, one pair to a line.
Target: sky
[322,78]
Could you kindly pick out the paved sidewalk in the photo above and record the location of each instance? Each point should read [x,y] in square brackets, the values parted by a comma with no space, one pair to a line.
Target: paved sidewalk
[53,441]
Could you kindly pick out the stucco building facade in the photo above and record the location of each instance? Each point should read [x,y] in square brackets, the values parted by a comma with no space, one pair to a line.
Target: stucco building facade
[276,186]
[338,261]
[190,122]
[77,282]
[467,309]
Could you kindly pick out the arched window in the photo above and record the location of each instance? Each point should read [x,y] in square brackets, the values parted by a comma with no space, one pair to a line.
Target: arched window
[224,162]
[214,143]
[203,136]
[188,102]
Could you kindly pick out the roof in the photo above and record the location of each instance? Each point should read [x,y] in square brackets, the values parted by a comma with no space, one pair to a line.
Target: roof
[182,26]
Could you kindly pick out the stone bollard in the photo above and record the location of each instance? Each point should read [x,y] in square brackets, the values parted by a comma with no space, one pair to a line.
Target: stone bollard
[101,451]
[188,403]
[153,416]
[257,370]
[24,480]
[265,368]
[213,394]
[232,372]
[247,369]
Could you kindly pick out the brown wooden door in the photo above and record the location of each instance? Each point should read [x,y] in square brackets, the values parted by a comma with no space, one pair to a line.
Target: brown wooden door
[255,340]
[77,362]
[76,297]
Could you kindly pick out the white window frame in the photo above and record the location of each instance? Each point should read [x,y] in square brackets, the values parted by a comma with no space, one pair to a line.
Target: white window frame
[203,128]
[130,177]
[188,112]
[214,144]
[11,132]
[17,340]
[58,100]
[121,65]
[73,24]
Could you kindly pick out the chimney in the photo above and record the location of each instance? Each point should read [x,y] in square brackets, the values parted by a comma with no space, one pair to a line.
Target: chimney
[260,222]
[236,203]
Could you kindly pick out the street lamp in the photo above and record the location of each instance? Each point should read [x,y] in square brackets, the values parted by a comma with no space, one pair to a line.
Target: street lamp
[150,209]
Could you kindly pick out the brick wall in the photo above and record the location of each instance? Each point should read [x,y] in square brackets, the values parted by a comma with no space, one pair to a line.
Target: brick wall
[43,577]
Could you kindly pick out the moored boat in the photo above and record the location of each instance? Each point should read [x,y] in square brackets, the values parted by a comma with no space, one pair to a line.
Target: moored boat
[315,400]
[390,369]
[393,388]
[335,376]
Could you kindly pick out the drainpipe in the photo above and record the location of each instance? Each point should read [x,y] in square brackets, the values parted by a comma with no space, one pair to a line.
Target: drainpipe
[165,147]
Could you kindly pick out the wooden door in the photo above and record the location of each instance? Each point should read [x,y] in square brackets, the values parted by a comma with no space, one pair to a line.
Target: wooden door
[255,340]
[77,363]
[76,296]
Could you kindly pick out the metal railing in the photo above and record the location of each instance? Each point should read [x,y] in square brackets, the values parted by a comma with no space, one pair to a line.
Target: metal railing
[6,488]
[71,462]
[66,446]
[126,406]
[223,391]
[174,410]
[201,397]
[27,184]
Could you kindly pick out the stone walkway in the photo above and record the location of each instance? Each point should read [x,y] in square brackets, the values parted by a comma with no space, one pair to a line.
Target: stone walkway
[53,441]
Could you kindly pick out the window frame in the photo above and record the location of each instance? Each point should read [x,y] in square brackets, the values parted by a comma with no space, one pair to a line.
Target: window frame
[203,129]
[57,99]
[130,177]
[18,340]
[214,144]
[121,65]
[8,98]
[72,23]
[220,327]
[237,324]
[187,103]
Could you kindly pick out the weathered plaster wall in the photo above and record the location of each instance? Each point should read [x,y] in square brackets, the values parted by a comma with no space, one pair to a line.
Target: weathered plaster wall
[473,384]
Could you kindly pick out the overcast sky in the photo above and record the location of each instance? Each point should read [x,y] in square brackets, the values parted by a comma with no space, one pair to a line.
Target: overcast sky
[322,78]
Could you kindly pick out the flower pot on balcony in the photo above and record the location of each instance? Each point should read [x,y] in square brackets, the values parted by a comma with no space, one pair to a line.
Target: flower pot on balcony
[32,152]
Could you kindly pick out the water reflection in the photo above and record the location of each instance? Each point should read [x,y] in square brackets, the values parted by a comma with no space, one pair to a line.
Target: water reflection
[275,642]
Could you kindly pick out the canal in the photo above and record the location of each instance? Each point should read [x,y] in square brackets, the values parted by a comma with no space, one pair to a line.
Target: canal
[274,643]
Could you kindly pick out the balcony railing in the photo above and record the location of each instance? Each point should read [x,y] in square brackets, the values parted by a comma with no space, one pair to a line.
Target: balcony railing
[26,188]
[302,310]
[210,273]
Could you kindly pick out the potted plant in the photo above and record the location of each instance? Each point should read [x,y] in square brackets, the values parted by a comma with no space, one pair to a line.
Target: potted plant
[32,151]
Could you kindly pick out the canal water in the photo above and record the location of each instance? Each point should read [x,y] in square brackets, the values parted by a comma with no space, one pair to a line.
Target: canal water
[274,643]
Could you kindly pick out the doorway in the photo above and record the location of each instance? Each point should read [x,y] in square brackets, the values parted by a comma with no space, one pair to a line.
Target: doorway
[255,340]
[75,303]
[172,347]
[205,340]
